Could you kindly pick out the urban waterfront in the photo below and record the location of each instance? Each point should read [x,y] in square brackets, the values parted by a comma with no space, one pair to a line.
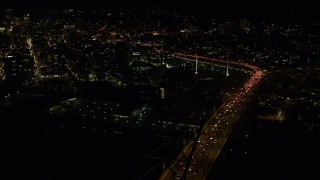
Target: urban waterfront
[160,90]
[266,146]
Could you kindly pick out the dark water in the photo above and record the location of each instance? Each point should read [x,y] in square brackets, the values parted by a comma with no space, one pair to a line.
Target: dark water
[35,147]
[272,150]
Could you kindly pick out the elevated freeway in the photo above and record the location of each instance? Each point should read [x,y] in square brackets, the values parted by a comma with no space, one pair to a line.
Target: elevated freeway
[199,156]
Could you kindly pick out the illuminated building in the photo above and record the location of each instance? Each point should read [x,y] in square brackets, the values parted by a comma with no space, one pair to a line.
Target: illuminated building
[156,58]
[122,57]
[19,69]
[7,16]
[7,21]
[135,56]
[2,30]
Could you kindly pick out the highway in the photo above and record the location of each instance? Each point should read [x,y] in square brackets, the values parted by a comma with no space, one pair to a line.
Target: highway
[1,73]
[216,130]
[37,73]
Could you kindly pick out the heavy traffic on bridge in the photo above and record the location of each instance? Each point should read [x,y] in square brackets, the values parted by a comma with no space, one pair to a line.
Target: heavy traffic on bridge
[216,130]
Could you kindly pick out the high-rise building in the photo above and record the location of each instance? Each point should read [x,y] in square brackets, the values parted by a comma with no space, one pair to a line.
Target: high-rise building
[122,57]
[7,21]
[19,69]
[7,15]
[135,56]
[99,65]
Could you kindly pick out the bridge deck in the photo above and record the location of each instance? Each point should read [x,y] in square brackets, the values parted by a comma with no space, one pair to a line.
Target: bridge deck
[215,132]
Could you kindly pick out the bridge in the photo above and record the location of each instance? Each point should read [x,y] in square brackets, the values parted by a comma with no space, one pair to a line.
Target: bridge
[198,157]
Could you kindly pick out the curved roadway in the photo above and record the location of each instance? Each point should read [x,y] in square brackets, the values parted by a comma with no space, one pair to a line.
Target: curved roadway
[216,130]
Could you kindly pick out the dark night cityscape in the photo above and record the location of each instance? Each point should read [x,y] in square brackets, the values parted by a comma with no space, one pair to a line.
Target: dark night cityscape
[168,90]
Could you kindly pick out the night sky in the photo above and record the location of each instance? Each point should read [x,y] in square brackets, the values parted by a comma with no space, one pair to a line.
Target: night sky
[265,9]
